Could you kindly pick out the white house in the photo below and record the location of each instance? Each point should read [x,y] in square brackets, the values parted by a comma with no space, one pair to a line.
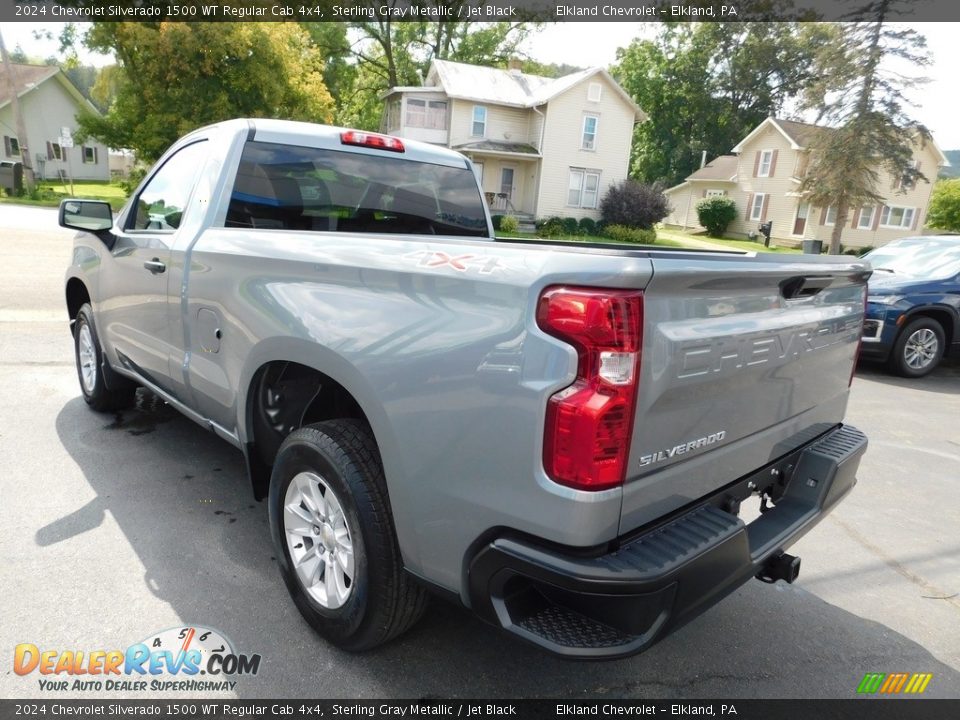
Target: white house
[49,102]
[540,146]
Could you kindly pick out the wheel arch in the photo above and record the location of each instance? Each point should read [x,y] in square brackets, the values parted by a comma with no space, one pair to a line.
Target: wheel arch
[335,389]
[947,317]
[76,295]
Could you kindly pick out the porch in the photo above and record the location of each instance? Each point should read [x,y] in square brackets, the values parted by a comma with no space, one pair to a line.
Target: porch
[508,177]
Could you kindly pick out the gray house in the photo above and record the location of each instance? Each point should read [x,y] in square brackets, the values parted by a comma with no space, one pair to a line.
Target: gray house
[49,102]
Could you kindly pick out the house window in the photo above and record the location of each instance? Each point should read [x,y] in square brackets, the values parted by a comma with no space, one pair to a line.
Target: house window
[479,126]
[908,179]
[583,189]
[896,217]
[54,151]
[831,216]
[416,113]
[766,160]
[89,155]
[11,146]
[589,140]
[865,219]
[715,193]
[595,92]
[393,115]
[756,208]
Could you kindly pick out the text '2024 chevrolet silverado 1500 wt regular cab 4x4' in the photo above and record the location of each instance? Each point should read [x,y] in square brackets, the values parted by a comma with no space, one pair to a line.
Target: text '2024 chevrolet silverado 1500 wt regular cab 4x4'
[559,436]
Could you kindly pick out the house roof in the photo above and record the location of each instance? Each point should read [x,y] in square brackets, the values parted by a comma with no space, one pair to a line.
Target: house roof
[29,77]
[499,147]
[723,168]
[509,87]
[801,134]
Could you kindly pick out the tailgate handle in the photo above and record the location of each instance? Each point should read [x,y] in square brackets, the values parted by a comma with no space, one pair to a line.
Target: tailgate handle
[804,286]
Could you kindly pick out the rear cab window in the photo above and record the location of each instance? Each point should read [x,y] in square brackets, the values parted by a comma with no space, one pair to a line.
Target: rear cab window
[290,187]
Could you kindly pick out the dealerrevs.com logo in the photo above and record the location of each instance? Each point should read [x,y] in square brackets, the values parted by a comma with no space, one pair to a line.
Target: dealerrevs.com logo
[179,659]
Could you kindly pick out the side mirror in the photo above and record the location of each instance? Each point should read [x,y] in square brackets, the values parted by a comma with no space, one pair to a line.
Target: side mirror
[94,216]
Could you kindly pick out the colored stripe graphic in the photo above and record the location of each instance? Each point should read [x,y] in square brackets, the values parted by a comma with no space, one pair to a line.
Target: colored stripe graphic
[894,683]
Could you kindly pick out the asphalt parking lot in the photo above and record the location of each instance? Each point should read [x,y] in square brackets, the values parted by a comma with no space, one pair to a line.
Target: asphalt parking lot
[115,527]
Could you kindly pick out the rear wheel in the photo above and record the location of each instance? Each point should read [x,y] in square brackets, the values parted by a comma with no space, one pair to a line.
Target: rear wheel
[89,357]
[333,531]
[919,348]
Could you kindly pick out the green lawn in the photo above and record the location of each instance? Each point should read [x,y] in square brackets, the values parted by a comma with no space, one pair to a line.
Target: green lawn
[721,243]
[49,193]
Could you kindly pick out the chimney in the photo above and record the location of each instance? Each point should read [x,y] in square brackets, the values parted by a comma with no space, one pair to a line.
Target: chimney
[514,65]
[703,159]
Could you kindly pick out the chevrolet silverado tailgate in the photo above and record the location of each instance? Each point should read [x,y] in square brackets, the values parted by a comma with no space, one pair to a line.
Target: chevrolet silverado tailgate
[742,361]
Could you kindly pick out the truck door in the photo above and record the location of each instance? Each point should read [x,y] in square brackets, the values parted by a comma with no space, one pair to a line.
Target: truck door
[134,313]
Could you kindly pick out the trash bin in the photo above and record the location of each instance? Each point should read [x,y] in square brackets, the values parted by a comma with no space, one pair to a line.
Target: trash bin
[11,176]
[812,247]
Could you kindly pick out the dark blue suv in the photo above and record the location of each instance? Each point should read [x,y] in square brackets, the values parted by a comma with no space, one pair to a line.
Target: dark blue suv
[913,303]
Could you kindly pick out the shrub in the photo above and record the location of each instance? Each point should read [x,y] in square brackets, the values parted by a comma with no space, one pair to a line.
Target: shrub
[550,228]
[622,233]
[509,224]
[715,214]
[571,226]
[944,212]
[634,205]
[129,184]
[497,221]
[587,226]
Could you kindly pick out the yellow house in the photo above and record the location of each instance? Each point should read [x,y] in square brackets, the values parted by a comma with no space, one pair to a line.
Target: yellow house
[764,177]
[539,146]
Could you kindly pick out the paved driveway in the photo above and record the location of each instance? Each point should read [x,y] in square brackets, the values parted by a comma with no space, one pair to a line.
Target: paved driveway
[118,526]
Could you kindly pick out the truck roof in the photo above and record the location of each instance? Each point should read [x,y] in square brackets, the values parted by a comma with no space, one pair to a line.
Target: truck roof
[291,132]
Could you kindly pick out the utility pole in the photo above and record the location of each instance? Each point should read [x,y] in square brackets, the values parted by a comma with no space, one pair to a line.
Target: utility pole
[28,179]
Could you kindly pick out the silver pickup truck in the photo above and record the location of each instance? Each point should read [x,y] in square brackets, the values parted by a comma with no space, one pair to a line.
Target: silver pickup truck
[558,436]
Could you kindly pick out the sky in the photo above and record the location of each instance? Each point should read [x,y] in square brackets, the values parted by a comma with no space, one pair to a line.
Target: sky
[595,44]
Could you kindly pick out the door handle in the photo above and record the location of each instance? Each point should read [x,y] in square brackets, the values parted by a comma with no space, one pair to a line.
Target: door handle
[155,266]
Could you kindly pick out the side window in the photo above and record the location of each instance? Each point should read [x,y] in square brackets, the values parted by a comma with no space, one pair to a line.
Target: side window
[161,204]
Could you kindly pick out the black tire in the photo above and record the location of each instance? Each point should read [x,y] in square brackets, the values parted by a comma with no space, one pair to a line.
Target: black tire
[918,349]
[90,368]
[383,601]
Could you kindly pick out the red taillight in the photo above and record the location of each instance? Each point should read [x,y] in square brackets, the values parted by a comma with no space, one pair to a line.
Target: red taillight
[587,438]
[371,140]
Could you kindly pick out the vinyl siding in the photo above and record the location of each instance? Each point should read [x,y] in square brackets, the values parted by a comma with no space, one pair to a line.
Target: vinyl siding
[504,124]
[562,151]
[45,110]
[683,202]
[781,208]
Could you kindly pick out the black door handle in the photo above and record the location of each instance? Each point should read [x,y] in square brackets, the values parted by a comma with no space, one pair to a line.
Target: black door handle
[155,266]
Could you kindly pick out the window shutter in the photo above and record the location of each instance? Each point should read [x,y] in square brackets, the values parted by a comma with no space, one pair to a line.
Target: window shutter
[49,150]
[856,218]
[876,216]
[96,155]
[773,162]
[916,218]
[756,164]
[6,145]
[704,193]
[763,211]
[823,216]
[749,205]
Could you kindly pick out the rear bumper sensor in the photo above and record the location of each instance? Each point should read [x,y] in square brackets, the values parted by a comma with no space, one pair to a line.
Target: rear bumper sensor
[619,603]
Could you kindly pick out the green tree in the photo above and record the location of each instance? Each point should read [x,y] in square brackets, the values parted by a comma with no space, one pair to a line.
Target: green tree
[706,85]
[944,210]
[174,77]
[872,130]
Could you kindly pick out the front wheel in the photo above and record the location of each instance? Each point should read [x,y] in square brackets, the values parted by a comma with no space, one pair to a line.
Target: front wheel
[89,357]
[918,349]
[333,531]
